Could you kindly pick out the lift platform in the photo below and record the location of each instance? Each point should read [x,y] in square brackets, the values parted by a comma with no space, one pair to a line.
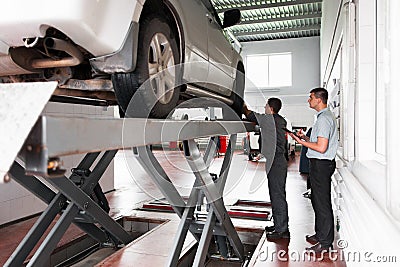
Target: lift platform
[20,106]
[79,198]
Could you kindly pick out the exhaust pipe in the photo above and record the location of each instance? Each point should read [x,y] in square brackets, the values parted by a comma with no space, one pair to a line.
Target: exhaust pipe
[75,58]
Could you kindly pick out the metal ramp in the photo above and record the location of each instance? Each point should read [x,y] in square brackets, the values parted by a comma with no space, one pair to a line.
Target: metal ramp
[79,199]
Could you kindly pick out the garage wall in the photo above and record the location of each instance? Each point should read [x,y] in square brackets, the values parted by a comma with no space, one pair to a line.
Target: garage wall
[305,76]
[366,182]
[16,202]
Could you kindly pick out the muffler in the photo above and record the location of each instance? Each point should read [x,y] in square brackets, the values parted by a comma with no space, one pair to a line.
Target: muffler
[9,67]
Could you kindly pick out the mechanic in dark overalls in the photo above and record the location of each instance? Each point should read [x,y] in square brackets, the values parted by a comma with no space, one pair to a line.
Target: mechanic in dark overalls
[274,149]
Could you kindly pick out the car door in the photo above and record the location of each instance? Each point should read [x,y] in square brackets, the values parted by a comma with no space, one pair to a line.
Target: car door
[192,13]
[220,52]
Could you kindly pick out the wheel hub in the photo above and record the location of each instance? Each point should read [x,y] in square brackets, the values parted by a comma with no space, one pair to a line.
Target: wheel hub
[161,57]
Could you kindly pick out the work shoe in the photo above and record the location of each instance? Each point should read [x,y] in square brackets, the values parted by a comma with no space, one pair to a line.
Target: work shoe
[318,248]
[278,235]
[269,229]
[312,239]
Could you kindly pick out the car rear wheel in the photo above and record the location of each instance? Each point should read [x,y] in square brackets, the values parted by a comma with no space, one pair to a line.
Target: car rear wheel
[157,54]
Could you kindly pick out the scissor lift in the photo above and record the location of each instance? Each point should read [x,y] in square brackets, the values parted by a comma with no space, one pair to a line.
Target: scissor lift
[79,199]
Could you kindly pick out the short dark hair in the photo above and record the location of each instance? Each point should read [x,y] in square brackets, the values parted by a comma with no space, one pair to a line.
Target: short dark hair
[275,104]
[320,93]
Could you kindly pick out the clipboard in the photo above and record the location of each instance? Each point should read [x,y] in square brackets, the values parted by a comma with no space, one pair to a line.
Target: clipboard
[292,132]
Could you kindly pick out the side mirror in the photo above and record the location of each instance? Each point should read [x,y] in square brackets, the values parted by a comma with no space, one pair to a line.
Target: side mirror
[231,17]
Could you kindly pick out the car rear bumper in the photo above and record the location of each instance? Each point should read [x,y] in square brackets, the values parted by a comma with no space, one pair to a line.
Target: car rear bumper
[98,26]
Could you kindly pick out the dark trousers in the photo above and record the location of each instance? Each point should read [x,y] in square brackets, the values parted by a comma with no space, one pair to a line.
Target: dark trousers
[277,192]
[320,178]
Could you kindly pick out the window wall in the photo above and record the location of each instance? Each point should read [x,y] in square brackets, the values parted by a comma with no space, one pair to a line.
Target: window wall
[381,71]
[271,70]
[293,68]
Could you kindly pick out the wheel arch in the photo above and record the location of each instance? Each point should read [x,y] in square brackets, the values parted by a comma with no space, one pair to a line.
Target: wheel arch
[238,97]
[167,10]
[129,50]
[240,67]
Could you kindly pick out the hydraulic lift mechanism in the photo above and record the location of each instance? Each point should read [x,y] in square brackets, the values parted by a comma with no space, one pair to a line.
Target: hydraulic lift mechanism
[79,198]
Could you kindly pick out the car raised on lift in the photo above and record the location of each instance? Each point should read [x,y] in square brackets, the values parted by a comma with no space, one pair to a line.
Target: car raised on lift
[128,42]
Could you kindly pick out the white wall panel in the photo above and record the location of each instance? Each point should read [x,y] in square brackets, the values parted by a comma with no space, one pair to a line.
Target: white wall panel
[305,76]
[367,185]
[305,61]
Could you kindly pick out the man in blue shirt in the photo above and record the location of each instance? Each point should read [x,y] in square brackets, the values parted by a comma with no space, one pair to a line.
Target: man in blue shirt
[322,146]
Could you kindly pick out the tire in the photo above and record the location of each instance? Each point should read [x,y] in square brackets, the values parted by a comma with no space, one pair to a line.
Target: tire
[157,51]
[234,112]
[238,92]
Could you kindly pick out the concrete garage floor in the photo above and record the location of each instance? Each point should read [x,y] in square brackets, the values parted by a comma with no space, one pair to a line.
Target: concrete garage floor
[247,182]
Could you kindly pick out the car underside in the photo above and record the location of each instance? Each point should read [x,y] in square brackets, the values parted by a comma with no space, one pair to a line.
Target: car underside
[152,50]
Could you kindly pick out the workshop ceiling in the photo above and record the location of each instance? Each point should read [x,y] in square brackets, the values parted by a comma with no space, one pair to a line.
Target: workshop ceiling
[274,19]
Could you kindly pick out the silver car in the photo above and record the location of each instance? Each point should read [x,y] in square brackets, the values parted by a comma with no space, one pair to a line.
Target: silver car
[128,42]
